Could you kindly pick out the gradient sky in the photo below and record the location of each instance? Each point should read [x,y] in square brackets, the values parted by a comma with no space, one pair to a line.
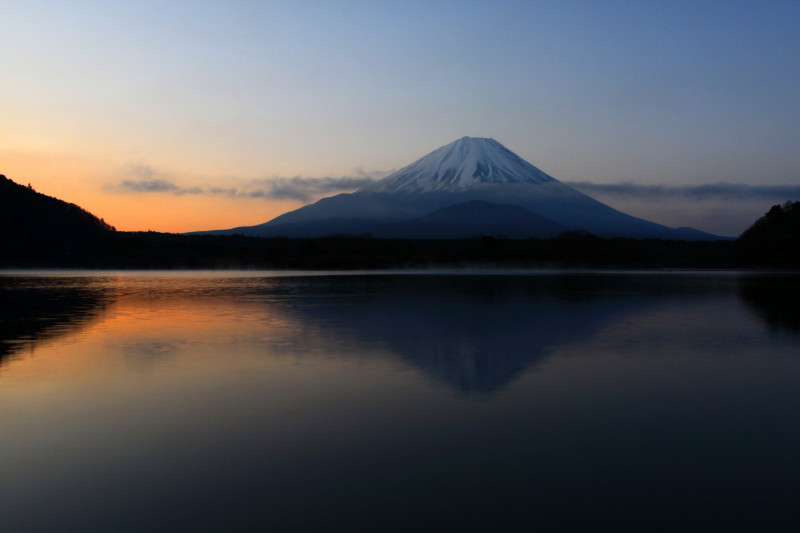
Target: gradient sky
[179,116]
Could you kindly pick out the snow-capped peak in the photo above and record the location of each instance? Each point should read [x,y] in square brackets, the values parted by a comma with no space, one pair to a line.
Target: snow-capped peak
[463,164]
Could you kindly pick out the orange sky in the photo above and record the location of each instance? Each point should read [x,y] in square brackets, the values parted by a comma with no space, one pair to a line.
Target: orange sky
[83,180]
[224,95]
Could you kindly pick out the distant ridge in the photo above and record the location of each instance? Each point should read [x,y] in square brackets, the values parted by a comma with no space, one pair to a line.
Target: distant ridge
[466,170]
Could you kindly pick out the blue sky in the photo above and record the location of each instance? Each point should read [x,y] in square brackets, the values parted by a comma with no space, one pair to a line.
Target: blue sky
[214,95]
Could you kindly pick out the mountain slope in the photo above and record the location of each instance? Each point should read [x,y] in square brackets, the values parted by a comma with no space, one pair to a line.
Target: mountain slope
[473,218]
[465,170]
[774,239]
[780,226]
[35,226]
[22,207]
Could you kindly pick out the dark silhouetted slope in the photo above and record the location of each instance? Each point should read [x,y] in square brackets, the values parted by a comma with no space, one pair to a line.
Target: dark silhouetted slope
[774,239]
[36,229]
[780,226]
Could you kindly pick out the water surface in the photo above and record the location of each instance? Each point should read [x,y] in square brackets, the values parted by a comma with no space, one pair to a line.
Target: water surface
[291,401]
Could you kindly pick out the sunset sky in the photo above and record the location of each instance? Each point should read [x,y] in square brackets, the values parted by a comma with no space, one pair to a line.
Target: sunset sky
[179,116]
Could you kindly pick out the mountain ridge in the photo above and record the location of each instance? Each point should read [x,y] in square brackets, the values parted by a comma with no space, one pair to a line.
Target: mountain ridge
[470,168]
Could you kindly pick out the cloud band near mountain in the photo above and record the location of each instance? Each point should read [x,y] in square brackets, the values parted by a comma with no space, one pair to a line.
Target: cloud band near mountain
[308,189]
[305,189]
[715,191]
[296,188]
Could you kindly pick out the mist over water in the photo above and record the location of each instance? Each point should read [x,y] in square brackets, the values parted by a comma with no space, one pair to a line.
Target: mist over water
[257,401]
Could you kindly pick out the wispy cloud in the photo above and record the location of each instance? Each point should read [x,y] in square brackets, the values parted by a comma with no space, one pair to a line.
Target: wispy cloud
[155,186]
[304,189]
[720,208]
[714,191]
[147,180]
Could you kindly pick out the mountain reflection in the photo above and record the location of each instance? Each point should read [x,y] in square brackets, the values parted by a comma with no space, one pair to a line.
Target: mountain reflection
[477,333]
[35,310]
[774,299]
[472,333]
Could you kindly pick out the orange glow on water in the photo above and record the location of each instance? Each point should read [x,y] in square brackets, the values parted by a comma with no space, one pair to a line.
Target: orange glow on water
[134,331]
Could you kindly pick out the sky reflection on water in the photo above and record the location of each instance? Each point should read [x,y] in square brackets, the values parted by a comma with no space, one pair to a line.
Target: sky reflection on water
[192,402]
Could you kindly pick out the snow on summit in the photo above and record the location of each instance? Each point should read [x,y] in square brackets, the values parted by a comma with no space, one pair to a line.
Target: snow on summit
[461,165]
[466,187]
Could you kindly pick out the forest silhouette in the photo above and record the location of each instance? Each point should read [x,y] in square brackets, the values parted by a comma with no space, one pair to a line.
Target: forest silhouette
[40,231]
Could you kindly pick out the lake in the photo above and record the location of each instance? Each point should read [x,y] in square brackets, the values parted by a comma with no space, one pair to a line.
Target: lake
[460,401]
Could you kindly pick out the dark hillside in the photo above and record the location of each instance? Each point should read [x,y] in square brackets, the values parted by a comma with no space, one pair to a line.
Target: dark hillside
[774,239]
[37,229]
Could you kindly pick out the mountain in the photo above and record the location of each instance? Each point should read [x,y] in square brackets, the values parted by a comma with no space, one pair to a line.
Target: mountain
[462,165]
[466,170]
[472,218]
[23,210]
[774,239]
[39,228]
[780,226]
